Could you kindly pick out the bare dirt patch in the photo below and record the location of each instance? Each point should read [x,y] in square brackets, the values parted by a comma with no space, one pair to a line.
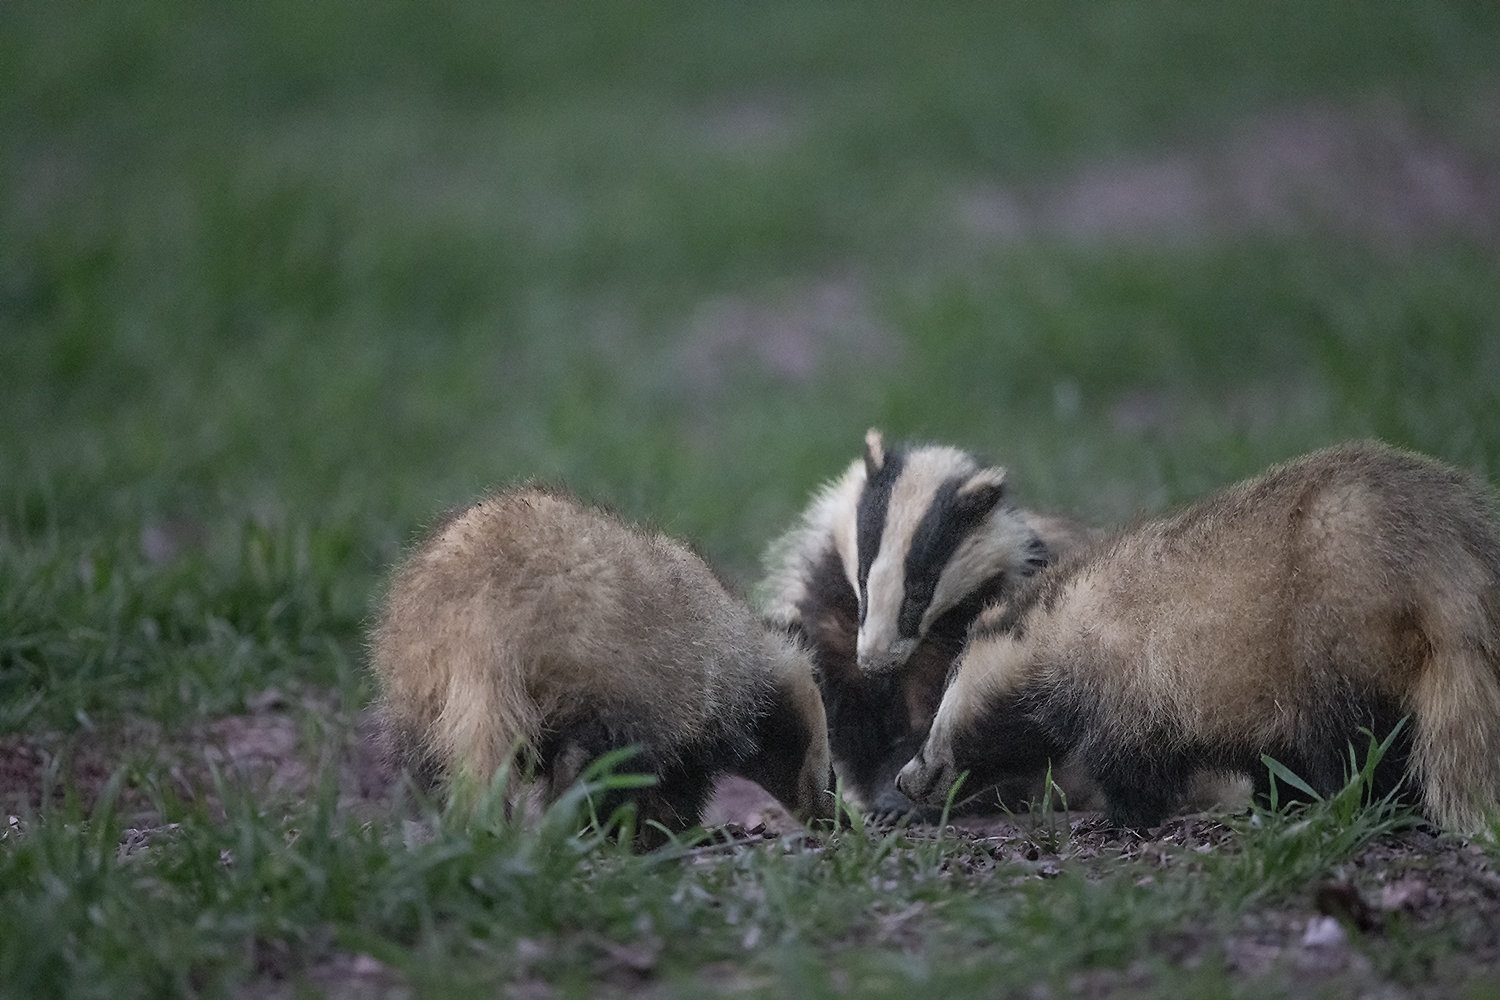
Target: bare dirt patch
[284,749]
[1408,908]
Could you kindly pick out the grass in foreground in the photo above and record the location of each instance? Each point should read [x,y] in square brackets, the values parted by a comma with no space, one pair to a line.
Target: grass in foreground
[242,894]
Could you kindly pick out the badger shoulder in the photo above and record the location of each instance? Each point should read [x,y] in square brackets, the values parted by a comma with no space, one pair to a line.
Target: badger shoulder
[1323,565]
[534,624]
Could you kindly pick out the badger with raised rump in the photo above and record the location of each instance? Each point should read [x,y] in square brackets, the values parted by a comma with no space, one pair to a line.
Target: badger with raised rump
[535,631]
[1342,591]
[882,576]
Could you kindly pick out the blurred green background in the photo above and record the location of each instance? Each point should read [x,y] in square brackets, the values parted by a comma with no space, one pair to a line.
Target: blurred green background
[280,280]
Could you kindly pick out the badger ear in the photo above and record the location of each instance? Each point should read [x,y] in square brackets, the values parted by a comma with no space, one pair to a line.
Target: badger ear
[981,493]
[874,452]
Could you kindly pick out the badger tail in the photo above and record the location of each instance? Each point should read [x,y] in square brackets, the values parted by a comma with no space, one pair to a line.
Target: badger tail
[459,691]
[1456,753]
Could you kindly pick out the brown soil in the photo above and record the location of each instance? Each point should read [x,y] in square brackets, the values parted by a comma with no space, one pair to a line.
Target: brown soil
[283,748]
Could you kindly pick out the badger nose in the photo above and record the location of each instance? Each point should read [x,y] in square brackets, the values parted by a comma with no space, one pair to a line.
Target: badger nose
[909,780]
[873,656]
[884,661]
[885,657]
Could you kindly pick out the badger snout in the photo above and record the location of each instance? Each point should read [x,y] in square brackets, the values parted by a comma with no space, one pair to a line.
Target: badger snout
[884,658]
[925,781]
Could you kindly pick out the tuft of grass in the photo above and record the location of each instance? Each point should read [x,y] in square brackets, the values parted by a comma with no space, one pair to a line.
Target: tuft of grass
[97,628]
[1287,845]
[452,902]
[1044,829]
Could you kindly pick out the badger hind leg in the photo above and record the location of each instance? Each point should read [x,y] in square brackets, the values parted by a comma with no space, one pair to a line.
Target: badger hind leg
[406,749]
[487,720]
[454,705]
[1342,719]
[684,777]
[676,803]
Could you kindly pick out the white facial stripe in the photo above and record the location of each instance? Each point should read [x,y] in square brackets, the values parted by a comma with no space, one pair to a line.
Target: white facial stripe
[1001,543]
[883,593]
[925,470]
[939,743]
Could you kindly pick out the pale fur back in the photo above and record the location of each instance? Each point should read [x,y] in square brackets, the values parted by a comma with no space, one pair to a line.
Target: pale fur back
[1357,572]
[529,608]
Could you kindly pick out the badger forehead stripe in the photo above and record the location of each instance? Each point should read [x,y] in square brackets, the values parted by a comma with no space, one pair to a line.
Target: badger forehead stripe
[1001,544]
[921,497]
[874,509]
[920,533]
[910,494]
[938,534]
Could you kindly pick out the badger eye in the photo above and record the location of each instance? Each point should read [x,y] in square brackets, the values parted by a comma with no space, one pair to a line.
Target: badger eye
[864,603]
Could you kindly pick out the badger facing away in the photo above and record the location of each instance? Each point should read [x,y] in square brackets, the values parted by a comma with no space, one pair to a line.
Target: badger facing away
[1344,590]
[533,630]
[883,575]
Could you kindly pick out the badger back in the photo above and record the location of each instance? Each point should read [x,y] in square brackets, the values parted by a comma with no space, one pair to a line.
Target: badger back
[528,610]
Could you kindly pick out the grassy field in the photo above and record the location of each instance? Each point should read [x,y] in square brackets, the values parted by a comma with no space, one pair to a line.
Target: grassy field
[279,281]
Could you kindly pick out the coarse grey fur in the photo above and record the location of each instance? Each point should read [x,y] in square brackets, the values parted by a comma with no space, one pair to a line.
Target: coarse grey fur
[535,631]
[1347,589]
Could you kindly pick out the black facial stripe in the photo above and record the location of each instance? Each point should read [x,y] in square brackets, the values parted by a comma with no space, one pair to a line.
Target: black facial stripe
[955,621]
[870,516]
[909,618]
[944,526]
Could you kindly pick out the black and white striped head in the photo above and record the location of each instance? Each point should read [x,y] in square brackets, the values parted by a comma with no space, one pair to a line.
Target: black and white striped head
[932,530]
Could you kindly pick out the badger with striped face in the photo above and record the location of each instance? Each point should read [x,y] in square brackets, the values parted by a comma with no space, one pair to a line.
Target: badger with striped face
[931,537]
[882,577]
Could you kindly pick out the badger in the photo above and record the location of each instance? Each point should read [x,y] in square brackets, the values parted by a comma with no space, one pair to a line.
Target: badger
[1343,591]
[535,631]
[882,577]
